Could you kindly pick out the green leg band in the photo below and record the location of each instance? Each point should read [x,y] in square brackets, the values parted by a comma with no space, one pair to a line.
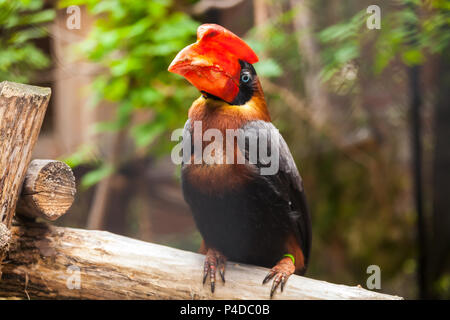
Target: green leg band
[290,256]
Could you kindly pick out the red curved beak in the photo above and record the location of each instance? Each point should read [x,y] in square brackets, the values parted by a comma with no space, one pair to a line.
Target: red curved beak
[212,63]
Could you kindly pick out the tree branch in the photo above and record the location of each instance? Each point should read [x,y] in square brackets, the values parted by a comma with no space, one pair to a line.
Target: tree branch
[44,262]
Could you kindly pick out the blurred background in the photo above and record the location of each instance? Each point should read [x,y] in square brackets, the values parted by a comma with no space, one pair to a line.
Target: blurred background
[365,111]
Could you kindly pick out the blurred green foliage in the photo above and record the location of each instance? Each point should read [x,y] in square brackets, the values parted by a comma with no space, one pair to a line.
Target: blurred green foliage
[366,200]
[135,41]
[408,34]
[279,59]
[22,22]
[341,43]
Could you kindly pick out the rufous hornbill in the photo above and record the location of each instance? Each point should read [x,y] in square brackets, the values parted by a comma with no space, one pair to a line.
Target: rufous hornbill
[242,215]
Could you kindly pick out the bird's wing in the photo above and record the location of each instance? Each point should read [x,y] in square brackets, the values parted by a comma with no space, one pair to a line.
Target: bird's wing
[286,178]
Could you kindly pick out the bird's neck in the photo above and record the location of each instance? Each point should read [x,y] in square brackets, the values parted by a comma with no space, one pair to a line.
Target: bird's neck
[220,115]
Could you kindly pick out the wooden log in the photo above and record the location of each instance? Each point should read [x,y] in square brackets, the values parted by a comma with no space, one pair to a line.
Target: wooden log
[48,190]
[22,110]
[5,238]
[48,262]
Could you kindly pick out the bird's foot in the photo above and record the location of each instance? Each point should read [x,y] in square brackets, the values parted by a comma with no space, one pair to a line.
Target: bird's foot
[280,273]
[214,260]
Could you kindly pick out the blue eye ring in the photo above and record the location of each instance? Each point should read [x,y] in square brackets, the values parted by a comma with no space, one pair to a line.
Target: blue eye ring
[245,77]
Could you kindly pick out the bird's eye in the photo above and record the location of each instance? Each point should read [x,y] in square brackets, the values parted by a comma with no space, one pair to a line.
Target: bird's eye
[245,78]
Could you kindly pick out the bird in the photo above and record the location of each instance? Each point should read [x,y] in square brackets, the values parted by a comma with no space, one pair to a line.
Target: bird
[242,214]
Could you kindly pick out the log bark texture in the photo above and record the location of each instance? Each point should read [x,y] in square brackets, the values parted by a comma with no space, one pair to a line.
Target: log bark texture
[48,262]
[22,110]
[48,190]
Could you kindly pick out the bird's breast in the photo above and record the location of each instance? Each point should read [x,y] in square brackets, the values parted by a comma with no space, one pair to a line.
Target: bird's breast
[217,178]
[216,163]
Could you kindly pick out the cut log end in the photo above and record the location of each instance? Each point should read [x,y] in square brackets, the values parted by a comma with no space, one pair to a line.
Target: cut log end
[12,89]
[48,190]
[5,239]
[5,236]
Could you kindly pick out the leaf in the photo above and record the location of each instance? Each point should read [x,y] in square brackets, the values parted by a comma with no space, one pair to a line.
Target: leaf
[412,57]
[95,176]
[116,89]
[27,34]
[146,97]
[35,18]
[268,68]
[145,134]
[124,66]
[346,53]
[84,154]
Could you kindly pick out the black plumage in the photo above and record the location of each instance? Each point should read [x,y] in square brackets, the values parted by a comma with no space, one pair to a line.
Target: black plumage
[252,222]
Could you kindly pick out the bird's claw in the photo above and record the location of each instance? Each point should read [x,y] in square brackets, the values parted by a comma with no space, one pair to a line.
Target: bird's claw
[280,274]
[214,260]
[279,278]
